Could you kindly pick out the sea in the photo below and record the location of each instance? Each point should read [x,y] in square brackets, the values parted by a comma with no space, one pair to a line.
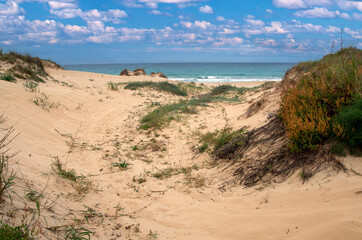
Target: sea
[197,72]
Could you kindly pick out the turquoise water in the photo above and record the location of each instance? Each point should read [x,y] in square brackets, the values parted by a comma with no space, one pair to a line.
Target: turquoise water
[198,72]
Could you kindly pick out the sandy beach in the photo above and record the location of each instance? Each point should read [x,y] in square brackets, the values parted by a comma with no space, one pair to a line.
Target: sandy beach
[89,128]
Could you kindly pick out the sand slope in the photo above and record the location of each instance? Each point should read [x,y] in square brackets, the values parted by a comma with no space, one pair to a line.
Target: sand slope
[89,127]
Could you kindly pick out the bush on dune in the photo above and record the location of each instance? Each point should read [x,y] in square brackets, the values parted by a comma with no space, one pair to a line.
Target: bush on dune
[309,110]
[159,86]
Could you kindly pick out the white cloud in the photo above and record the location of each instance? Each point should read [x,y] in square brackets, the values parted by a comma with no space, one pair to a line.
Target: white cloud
[254,22]
[206,9]
[350,5]
[186,24]
[311,28]
[333,29]
[155,12]
[266,42]
[357,16]
[298,4]
[228,31]
[229,41]
[291,4]
[220,18]
[96,26]
[316,13]
[10,8]
[354,34]
[170,1]
[202,24]
[276,27]
[132,4]
[196,24]
[343,15]
[59,5]
[269,11]
[151,4]
[112,15]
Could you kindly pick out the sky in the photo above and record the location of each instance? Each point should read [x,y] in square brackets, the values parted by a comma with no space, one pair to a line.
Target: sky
[138,31]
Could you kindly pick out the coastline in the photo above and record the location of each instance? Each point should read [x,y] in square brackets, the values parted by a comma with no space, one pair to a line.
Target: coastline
[90,128]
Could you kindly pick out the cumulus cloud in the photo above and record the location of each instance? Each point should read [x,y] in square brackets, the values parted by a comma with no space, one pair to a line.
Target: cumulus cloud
[291,4]
[59,5]
[254,22]
[220,18]
[275,27]
[350,5]
[112,15]
[229,41]
[206,9]
[132,4]
[10,8]
[155,12]
[266,42]
[353,33]
[316,13]
[298,4]
[357,16]
[196,24]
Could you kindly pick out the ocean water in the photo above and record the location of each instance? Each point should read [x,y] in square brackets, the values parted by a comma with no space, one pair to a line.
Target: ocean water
[197,72]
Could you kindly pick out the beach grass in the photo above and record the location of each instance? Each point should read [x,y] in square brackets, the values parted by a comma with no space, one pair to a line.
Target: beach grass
[166,113]
[158,86]
[310,110]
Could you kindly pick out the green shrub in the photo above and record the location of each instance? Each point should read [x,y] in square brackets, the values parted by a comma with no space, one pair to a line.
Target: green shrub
[14,232]
[218,139]
[164,114]
[222,89]
[31,86]
[7,177]
[113,86]
[309,108]
[350,119]
[159,86]
[7,77]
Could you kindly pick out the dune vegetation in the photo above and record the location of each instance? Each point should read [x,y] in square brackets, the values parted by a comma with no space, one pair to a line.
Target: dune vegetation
[325,104]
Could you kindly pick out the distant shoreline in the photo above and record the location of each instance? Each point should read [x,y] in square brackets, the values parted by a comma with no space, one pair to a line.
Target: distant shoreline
[198,72]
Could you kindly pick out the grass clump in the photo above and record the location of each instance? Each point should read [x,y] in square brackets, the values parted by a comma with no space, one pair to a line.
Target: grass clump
[123,165]
[223,89]
[216,140]
[164,114]
[59,169]
[350,119]
[309,109]
[77,233]
[112,86]
[21,232]
[7,177]
[25,66]
[31,86]
[44,103]
[159,86]
[7,77]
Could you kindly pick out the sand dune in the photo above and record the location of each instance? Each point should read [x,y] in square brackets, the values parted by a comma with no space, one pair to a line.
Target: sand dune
[89,127]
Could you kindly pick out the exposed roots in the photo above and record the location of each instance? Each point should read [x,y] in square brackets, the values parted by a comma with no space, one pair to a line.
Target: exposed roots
[262,155]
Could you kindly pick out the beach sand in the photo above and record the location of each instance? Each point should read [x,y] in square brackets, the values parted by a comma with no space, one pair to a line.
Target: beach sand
[89,127]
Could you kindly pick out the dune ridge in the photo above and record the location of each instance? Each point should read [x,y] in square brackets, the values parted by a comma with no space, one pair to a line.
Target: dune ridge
[168,190]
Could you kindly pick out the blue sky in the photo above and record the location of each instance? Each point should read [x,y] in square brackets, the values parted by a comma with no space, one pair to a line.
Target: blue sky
[115,31]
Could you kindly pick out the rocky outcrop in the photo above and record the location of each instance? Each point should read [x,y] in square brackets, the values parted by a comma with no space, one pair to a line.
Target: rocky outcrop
[125,72]
[158,74]
[139,72]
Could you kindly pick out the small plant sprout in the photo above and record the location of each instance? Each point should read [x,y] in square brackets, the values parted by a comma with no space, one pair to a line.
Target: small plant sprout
[77,234]
[123,165]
